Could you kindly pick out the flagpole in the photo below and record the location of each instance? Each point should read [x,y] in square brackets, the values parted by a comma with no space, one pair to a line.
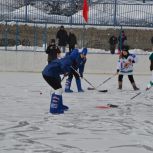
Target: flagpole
[85,16]
[83,43]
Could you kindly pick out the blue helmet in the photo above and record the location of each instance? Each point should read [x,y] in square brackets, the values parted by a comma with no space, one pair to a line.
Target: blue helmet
[84,51]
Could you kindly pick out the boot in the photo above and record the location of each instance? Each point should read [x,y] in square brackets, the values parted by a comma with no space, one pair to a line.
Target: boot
[68,85]
[149,85]
[120,85]
[56,105]
[78,83]
[65,108]
[134,86]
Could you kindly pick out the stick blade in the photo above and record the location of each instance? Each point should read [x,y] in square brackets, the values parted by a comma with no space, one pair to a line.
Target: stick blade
[90,88]
[103,90]
[108,106]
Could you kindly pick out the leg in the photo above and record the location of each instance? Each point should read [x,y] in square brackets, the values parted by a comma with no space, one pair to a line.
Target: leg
[56,104]
[63,49]
[150,84]
[152,77]
[112,49]
[68,83]
[55,83]
[120,80]
[132,82]
[78,82]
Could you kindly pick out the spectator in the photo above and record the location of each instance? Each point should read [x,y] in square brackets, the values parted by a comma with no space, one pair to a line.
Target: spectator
[62,38]
[121,41]
[113,42]
[72,40]
[53,51]
[152,40]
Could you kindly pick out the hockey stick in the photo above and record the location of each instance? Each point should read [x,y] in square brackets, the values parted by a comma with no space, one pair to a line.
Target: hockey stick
[135,95]
[62,78]
[139,93]
[88,81]
[103,82]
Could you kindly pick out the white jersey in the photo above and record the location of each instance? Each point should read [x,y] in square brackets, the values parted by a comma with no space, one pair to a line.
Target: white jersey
[125,65]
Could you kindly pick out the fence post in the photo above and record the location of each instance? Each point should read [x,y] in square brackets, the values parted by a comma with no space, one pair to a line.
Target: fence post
[17,35]
[115,12]
[45,37]
[83,35]
[35,37]
[5,36]
[26,11]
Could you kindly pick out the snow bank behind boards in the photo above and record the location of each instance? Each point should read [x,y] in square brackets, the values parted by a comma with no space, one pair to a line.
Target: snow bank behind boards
[96,63]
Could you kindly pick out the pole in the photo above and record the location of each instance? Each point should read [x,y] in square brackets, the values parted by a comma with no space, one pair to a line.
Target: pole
[6,37]
[26,11]
[115,13]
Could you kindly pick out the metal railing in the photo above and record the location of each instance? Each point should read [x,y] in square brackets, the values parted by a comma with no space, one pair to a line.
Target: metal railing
[70,12]
[25,24]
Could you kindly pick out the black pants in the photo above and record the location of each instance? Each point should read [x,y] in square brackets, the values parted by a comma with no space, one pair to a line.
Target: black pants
[112,48]
[73,72]
[55,83]
[120,78]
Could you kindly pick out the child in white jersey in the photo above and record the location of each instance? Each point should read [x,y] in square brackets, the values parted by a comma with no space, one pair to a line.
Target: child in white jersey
[125,67]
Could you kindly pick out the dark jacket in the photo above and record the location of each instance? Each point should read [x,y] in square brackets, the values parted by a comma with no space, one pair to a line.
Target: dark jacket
[151,61]
[121,40]
[72,40]
[62,37]
[52,51]
[152,40]
[60,66]
[113,40]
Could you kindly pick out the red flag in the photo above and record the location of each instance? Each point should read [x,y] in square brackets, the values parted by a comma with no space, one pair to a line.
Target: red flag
[85,10]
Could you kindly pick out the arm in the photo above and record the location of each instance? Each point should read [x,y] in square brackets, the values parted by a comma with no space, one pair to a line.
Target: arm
[48,50]
[81,67]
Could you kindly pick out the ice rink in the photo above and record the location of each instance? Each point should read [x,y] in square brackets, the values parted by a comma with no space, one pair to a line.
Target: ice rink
[26,126]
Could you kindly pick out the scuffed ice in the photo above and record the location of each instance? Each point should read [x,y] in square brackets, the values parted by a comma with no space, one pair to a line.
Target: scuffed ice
[26,126]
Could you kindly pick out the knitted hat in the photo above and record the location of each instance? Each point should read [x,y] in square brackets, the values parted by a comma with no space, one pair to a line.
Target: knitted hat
[125,48]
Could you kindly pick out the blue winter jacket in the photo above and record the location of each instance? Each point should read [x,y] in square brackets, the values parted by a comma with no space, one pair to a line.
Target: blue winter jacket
[58,67]
[78,63]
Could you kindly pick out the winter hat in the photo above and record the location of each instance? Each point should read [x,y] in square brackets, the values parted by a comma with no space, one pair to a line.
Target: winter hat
[125,48]
[74,54]
[52,41]
[84,51]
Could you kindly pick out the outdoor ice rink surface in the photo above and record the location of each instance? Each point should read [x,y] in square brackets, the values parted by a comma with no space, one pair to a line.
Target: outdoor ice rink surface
[26,126]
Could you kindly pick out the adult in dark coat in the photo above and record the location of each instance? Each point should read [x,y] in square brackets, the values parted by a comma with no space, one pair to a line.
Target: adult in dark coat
[121,41]
[62,38]
[72,40]
[112,42]
[152,40]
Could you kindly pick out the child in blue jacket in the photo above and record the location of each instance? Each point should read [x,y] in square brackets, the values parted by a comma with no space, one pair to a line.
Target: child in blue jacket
[78,64]
[51,74]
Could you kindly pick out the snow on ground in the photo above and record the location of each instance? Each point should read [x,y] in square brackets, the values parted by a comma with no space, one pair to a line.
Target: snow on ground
[26,126]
